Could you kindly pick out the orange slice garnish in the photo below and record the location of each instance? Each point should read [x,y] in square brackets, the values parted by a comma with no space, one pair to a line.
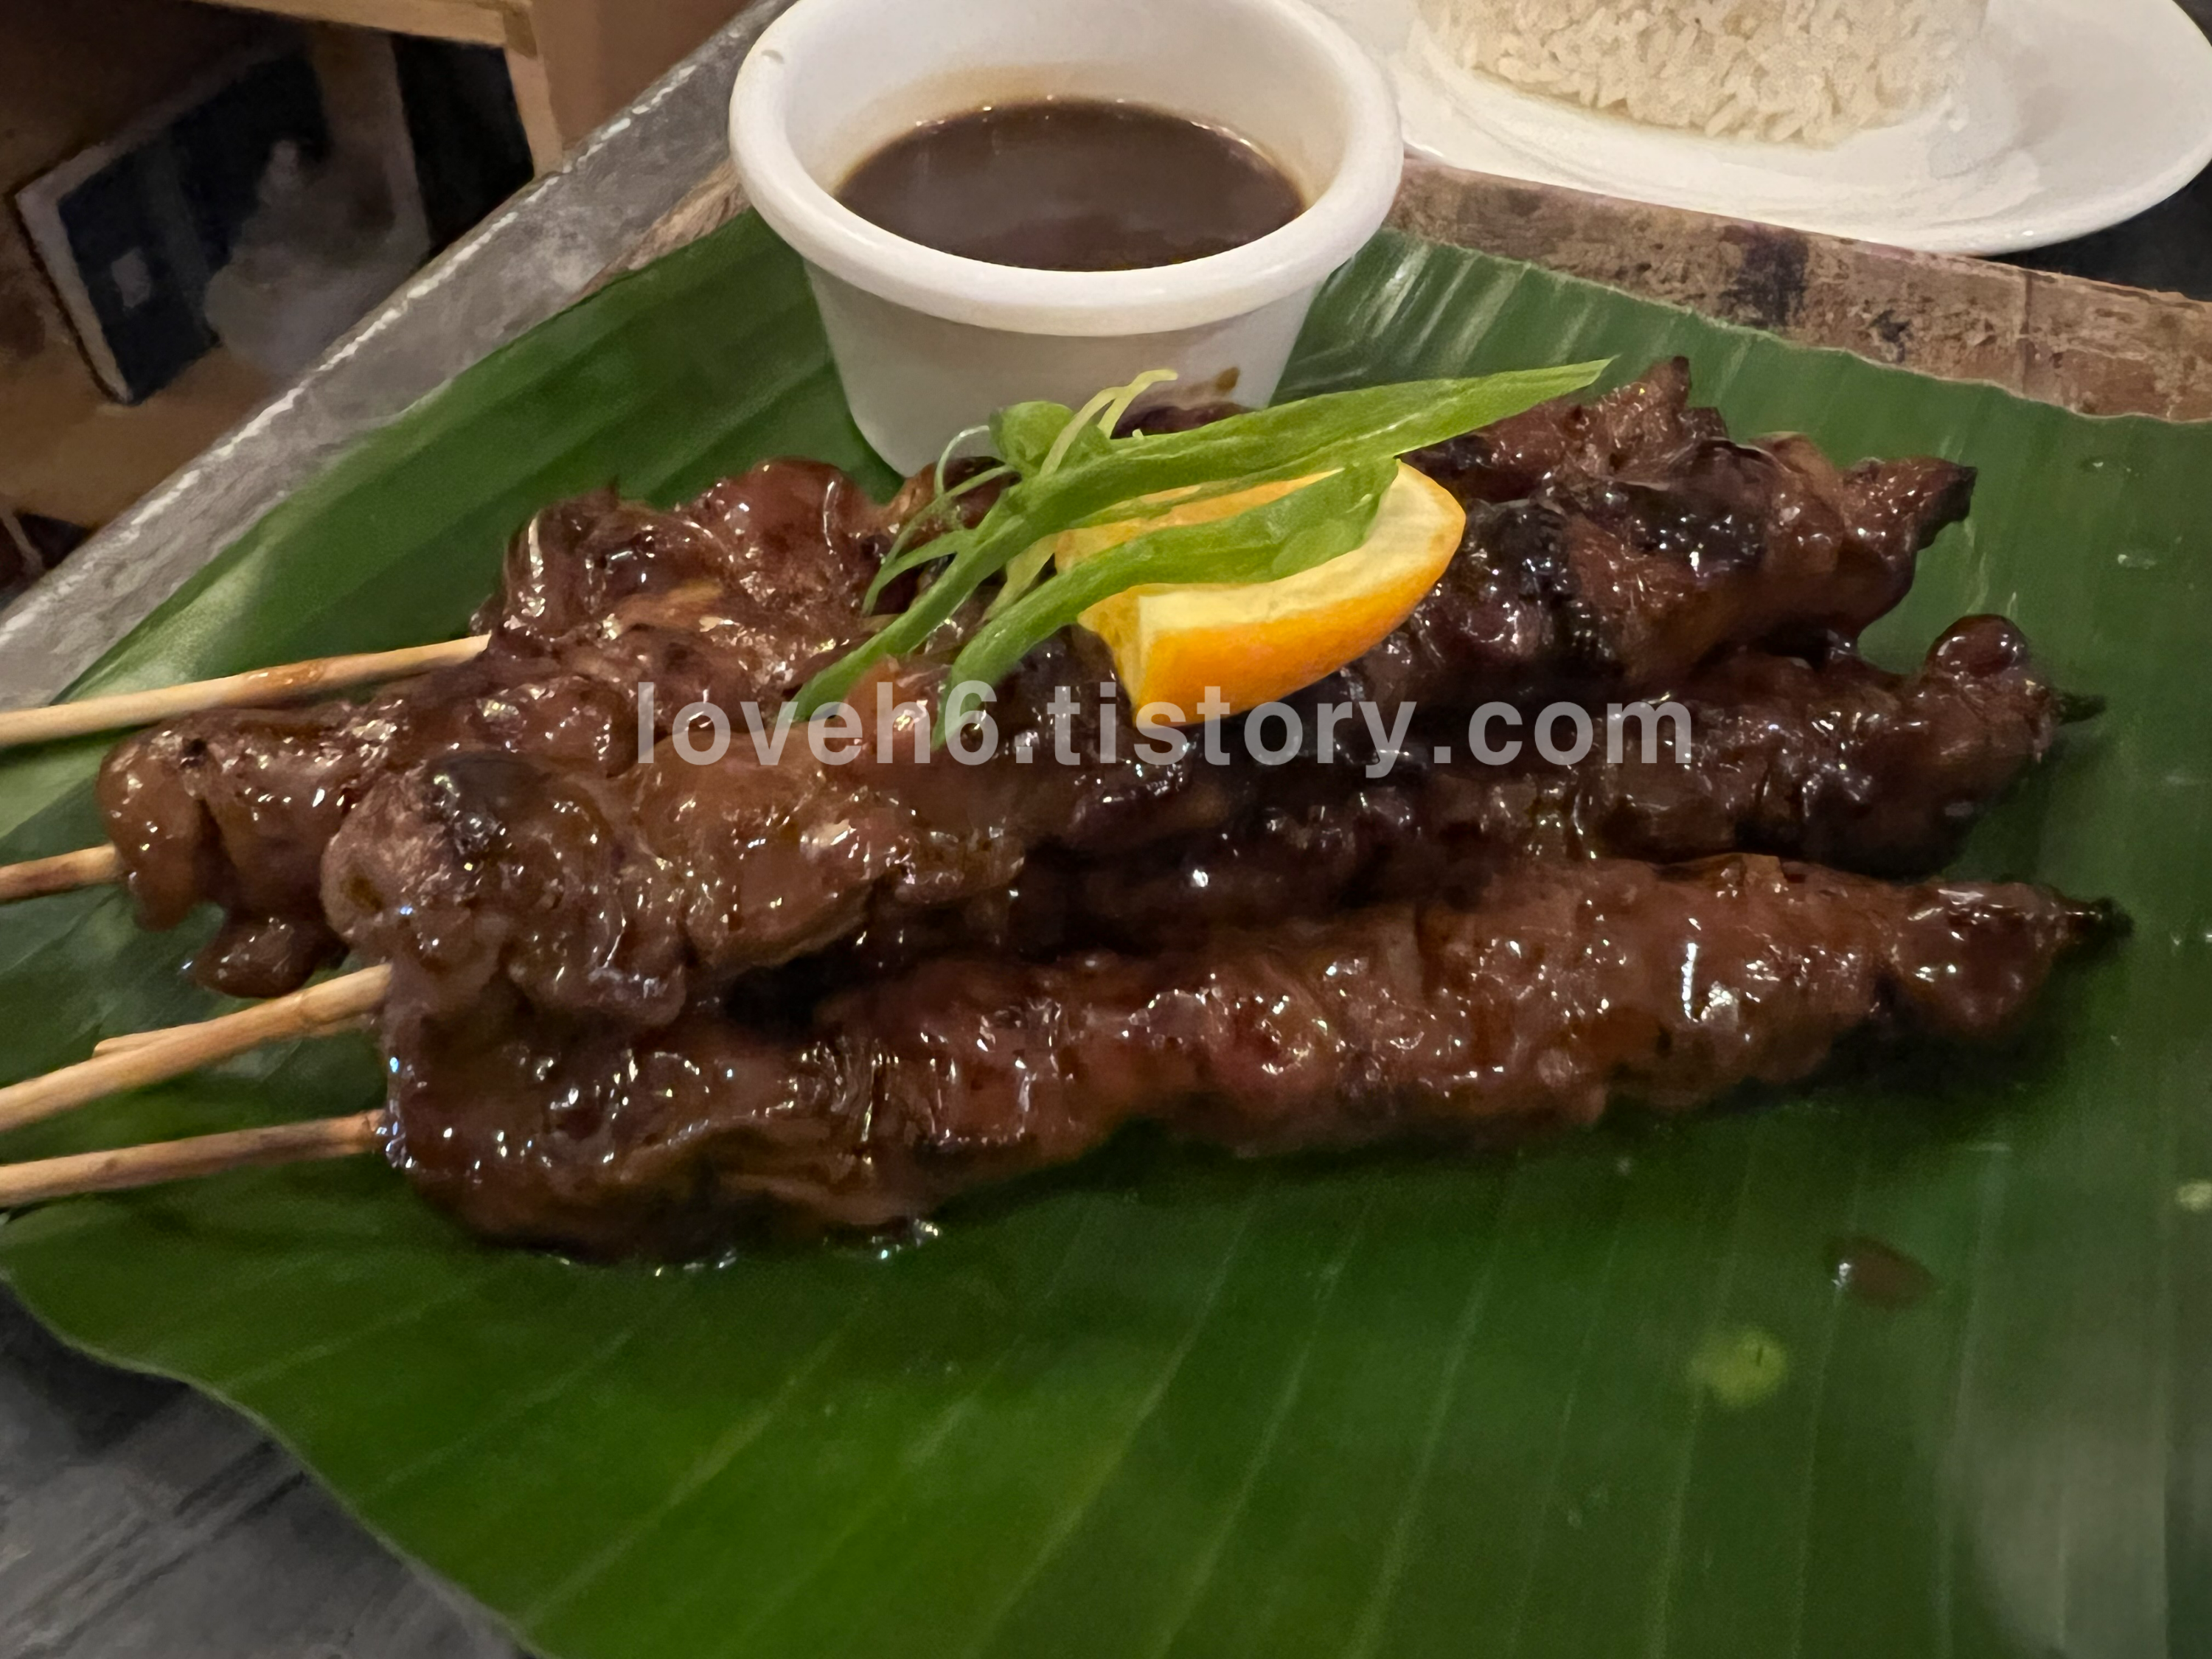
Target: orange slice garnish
[1251,644]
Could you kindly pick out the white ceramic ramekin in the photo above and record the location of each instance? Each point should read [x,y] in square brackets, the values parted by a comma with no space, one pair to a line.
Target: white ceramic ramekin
[929,343]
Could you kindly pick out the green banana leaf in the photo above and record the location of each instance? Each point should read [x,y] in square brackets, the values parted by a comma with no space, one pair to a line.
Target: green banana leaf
[1603,1398]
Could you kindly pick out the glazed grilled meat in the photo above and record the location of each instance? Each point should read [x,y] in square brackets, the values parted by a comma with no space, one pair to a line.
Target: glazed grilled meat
[1619,544]
[238,807]
[1573,985]
[629,898]
[745,865]
[738,595]
[1639,543]
[639,1005]
[626,896]
[1841,764]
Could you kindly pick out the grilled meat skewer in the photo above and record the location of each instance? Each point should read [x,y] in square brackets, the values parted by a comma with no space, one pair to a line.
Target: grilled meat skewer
[1841,764]
[1572,986]
[735,596]
[629,898]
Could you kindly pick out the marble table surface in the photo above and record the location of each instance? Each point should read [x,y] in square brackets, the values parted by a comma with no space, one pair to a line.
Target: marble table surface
[138,1518]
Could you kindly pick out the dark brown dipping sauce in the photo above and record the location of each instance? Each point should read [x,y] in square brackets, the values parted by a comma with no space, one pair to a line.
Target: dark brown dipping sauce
[1072,185]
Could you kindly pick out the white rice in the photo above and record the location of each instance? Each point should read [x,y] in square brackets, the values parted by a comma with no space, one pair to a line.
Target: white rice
[1812,71]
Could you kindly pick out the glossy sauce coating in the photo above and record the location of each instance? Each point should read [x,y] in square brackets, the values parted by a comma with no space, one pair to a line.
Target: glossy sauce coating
[740,594]
[1688,544]
[1570,986]
[677,879]
[628,897]
[1621,543]
[607,1023]
[1840,764]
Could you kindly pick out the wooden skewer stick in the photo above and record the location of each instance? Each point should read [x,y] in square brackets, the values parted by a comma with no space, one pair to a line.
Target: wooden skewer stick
[286,684]
[188,1048]
[127,1040]
[179,1160]
[58,874]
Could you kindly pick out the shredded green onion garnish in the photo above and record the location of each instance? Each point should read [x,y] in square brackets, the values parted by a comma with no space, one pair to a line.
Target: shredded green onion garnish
[898,560]
[1021,575]
[1310,525]
[951,446]
[1082,418]
[1123,396]
[1071,471]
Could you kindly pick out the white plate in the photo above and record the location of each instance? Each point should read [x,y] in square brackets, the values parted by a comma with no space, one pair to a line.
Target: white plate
[2071,115]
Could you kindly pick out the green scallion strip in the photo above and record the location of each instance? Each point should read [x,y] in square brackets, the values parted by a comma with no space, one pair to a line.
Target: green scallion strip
[951,444]
[1083,418]
[1111,416]
[1021,575]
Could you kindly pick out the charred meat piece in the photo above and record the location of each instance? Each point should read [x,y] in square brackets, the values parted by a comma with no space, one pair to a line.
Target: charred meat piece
[236,808]
[1572,987]
[1621,543]
[741,593]
[1841,764]
[238,805]
[738,596]
[1641,426]
[635,893]
[629,898]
